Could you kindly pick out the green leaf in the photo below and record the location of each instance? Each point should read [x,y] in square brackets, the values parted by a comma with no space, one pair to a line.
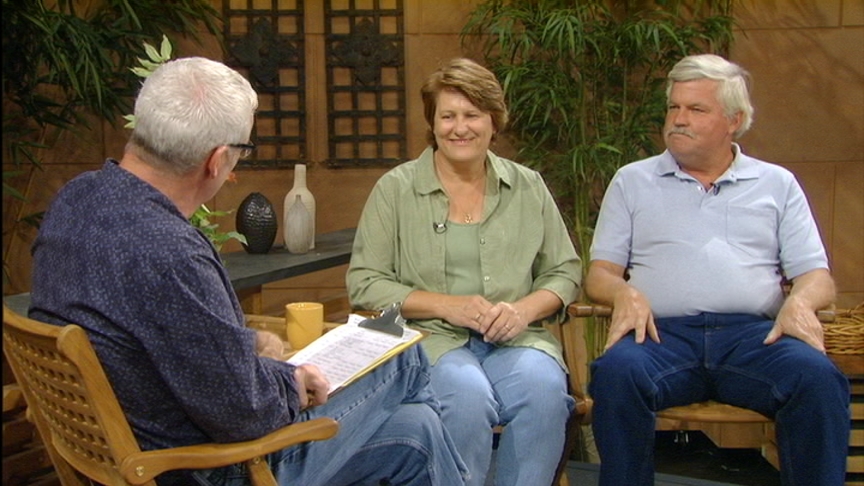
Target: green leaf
[152,53]
[166,48]
[141,72]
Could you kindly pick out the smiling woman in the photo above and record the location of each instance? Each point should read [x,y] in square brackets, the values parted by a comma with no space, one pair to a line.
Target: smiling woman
[463,134]
[464,109]
[494,363]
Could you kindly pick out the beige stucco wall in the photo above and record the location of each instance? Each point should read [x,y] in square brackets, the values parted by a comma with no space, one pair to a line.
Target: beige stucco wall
[807,62]
[806,57]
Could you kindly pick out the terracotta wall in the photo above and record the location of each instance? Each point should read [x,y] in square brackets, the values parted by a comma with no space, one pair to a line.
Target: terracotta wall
[807,59]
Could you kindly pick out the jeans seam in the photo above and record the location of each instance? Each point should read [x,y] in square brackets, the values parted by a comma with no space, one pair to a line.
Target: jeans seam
[771,386]
[381,384]
[408,443]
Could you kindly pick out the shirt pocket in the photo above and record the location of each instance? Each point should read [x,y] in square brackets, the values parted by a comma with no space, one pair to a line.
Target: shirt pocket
[753,230]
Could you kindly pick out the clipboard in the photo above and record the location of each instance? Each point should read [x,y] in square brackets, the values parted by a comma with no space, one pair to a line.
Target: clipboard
[349,351]
[390,321]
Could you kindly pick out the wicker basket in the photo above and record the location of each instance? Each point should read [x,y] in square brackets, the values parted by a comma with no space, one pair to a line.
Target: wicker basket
[846,334]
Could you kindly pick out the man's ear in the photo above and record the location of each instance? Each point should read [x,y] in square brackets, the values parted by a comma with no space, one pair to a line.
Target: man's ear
[213,164]
[735,122]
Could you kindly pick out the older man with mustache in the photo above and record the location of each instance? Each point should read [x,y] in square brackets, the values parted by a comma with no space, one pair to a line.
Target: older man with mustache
[691,248]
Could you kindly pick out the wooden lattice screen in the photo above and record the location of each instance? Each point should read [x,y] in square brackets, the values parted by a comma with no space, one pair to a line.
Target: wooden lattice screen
[365,82]
[265,41]
[365,79]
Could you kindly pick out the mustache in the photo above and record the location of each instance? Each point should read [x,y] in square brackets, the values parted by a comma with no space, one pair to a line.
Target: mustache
[680,131]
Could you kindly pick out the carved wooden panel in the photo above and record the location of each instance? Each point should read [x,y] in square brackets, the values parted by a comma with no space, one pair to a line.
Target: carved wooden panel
[365,85]
[365,65]
[265,42]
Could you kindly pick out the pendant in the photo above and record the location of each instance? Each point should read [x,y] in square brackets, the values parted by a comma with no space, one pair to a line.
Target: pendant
[468,218]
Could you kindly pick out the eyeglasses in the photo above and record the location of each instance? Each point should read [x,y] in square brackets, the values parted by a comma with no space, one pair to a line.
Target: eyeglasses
[246,148]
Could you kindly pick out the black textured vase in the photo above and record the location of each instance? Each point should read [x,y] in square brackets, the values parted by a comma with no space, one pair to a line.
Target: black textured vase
[256,220]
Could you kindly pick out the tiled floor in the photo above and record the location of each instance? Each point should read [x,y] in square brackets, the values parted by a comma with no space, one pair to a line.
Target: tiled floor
[694,461]
[698,462]
[700,458]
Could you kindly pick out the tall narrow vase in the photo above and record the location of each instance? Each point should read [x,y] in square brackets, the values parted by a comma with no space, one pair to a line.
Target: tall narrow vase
[306,197]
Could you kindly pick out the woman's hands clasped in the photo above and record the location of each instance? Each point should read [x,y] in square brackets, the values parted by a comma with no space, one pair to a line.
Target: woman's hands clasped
[496,322]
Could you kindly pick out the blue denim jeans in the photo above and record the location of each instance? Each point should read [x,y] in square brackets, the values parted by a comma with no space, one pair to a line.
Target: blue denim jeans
[481,385]
[390,432]
[721,357]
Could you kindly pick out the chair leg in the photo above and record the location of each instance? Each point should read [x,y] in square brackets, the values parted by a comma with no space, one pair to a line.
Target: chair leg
[563,481]
[259,472]
[682,438]
[570,441]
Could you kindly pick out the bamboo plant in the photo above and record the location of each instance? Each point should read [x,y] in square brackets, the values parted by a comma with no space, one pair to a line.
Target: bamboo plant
[63,61]
[584,82]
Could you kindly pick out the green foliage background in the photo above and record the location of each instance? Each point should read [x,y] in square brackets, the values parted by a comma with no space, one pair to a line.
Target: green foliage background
[585,83]
[65,60]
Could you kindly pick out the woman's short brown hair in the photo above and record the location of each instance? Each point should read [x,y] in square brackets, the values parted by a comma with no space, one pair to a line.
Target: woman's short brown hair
[470,79]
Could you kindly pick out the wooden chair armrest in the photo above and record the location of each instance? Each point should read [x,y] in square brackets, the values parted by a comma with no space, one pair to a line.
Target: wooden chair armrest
[141,467]
[826,315]
[581,309]
[276,325]
[584,309]
[259,319]
[570,336]
[584,408]
[13,398]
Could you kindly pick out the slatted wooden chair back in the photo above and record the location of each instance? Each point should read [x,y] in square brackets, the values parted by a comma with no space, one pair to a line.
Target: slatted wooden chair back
[73,403]
[86,432]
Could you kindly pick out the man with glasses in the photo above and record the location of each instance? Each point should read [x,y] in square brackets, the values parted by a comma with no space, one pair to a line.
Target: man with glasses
[117,255]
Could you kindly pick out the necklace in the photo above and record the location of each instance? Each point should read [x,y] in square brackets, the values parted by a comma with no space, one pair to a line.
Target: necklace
[468,204]
[465,198]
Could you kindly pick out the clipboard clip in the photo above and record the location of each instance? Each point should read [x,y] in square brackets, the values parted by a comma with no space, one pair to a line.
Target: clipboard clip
[390,321]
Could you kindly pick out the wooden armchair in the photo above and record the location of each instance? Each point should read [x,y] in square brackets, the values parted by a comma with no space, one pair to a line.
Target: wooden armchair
[569,338]
[709,411]
[84,429]
[682,417]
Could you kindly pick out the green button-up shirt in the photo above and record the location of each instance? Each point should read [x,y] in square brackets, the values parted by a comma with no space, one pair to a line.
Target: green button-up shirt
[524,246]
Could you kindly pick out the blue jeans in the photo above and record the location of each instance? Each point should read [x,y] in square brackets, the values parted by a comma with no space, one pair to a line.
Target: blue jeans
[390,432]
[481,385]
[721,357]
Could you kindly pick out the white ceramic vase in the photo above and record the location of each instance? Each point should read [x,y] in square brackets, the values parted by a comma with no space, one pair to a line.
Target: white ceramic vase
[298,227]
[299,190]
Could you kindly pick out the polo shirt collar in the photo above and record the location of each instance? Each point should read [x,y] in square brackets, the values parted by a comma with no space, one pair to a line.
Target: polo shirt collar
[742,167]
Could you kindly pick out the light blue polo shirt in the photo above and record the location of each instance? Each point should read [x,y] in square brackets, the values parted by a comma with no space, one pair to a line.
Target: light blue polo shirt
[722,250]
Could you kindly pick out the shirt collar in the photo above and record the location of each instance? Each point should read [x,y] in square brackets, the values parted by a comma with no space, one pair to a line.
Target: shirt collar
[742,167]
[426,181]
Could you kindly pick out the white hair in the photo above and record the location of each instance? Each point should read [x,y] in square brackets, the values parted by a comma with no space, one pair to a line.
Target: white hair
[188,107]
[733,93]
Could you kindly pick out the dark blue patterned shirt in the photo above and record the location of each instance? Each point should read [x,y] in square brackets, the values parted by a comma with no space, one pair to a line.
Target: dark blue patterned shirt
[117,257]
